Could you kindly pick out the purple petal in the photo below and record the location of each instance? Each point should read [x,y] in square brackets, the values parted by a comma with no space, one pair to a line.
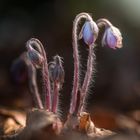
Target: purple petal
[116,32]
[111,39]
[88,33]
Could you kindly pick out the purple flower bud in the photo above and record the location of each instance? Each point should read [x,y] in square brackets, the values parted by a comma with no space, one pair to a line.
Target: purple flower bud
[89,32]
[56,70]
[112,38]
[35,57]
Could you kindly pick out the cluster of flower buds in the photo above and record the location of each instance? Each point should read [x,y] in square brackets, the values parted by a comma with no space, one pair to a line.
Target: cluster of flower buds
[112,37]
[54,73]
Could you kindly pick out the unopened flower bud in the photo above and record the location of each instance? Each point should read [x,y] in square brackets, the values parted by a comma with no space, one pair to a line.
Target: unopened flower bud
[56,70]
[112,38]
[89,32]
[35,57]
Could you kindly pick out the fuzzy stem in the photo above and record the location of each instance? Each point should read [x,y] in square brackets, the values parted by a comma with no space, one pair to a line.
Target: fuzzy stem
[87,79]
[55,97]
[45,73]
[46,83]
[46,87]
[46,80]
[32,81]
[103,22]
[33,86]
[76,60]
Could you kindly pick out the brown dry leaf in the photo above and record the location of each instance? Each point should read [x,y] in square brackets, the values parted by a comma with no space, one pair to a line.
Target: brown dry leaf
[10,126]
[18,116]
[86,125]
[11,121]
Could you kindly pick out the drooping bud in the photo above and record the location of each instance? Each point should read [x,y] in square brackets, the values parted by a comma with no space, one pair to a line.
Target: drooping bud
[56,70]
[89,32]
[35,57]
[112,37]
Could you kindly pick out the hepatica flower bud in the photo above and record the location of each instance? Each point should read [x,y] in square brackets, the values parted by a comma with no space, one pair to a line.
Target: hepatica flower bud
[56,70]
[89,32]
[112,38]
[35,57]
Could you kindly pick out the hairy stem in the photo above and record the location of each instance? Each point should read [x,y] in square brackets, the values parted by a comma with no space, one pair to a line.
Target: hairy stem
[45,74]
[33,86]
[46,80]
[55,97]
[103,22]
[46,87]
[32,81]
[87,79]
[76,59]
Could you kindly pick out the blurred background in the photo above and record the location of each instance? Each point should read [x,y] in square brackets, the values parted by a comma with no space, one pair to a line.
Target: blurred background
[116,83]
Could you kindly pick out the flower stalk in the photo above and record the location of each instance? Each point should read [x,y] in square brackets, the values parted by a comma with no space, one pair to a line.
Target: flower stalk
[112,37]
[33,86]
[89,33]
[88,79]
[56,72]
[38,58]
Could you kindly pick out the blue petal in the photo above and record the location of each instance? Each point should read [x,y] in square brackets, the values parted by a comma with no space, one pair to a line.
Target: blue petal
[111,39]
[88,33]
